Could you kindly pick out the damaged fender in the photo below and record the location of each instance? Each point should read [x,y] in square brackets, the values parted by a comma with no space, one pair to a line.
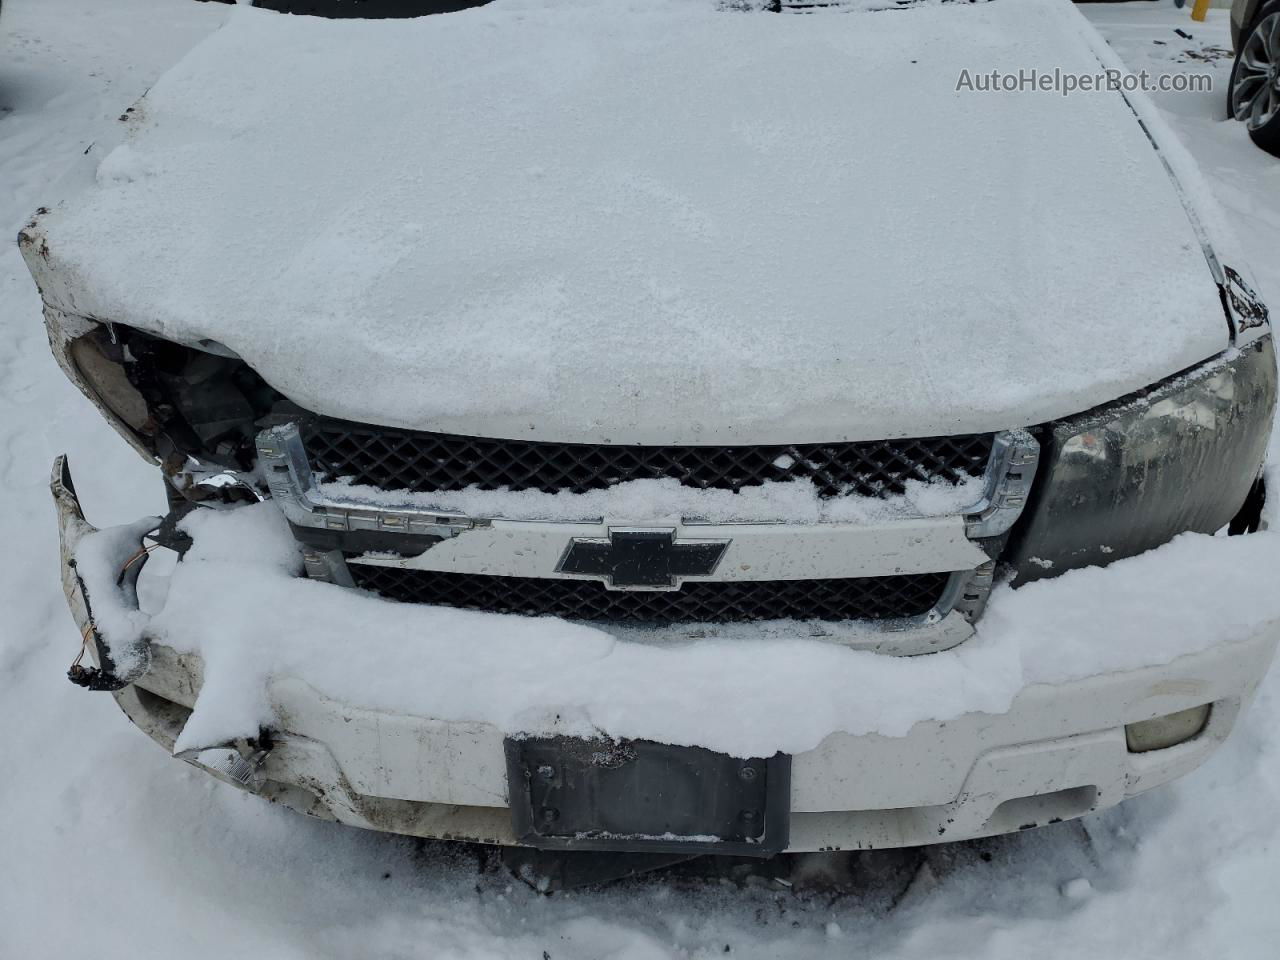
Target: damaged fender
[238,761]
[72,529]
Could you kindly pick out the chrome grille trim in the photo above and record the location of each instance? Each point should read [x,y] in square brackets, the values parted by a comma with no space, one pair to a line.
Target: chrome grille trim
[1008,476]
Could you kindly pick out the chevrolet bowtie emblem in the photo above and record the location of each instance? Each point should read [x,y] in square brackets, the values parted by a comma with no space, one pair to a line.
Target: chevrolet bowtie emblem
[649,559]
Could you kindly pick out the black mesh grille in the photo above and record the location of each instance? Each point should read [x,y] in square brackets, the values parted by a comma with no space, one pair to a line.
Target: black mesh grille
[427,462]
[855,598]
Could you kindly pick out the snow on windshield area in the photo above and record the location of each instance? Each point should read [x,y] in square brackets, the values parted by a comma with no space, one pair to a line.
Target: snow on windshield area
[109,848]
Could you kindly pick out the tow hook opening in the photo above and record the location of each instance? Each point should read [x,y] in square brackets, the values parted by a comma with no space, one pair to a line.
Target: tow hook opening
[1037,810]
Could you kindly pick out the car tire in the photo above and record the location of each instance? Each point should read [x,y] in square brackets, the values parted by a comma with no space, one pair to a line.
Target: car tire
[1253,95]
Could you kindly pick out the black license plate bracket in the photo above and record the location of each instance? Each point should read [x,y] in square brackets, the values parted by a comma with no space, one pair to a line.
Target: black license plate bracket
[569,793]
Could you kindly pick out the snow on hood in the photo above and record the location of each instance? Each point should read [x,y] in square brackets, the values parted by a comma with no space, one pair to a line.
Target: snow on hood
[611,221]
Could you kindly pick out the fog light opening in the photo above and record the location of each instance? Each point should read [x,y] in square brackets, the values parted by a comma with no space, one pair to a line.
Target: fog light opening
[1160,733]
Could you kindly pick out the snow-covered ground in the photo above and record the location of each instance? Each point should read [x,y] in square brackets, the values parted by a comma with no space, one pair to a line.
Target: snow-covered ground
[109,848]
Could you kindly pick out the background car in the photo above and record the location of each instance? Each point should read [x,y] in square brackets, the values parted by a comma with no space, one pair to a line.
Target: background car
[1253,96]
[365,9]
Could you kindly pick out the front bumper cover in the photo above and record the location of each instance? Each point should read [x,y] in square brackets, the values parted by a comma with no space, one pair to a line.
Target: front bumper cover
[1057,753]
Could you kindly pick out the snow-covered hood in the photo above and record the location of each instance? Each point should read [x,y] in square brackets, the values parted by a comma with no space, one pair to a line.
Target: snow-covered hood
[654,221]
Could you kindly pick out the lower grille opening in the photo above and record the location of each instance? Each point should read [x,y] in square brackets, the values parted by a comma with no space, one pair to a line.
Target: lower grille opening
[849,598]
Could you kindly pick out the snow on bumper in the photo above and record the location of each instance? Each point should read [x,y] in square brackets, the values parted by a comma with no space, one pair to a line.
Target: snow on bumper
[1059,752]
[1025,741]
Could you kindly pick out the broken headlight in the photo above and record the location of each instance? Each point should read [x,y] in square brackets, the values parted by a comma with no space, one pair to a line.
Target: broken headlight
[176,401]
[1181,456]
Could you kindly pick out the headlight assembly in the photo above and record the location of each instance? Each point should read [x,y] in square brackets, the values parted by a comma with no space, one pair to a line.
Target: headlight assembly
[173,401]
[100,362]
[1130,476]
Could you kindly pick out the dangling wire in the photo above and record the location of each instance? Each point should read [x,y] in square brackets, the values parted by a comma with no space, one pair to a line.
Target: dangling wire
[85,636]
[138,555]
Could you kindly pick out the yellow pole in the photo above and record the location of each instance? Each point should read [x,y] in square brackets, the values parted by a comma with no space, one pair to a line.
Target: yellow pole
[1199,11]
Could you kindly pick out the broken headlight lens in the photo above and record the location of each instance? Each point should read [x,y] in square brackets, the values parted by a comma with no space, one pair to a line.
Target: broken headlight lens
[1130,476]
[176,401]
[100,362]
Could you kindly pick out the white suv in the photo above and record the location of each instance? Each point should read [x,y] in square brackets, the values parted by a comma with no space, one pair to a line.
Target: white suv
[591,425]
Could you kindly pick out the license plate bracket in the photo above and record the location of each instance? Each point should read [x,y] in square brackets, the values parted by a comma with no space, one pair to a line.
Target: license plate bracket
[643,796]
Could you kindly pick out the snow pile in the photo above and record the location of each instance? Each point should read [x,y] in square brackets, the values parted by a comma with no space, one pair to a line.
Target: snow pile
[668,501]
[124,165]
[237,601]
[655,222]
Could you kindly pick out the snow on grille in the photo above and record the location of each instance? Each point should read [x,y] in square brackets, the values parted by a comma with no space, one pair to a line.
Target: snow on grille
[394,459]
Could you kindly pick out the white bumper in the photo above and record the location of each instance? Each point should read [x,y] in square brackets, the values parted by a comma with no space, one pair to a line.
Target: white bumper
[1059,752]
